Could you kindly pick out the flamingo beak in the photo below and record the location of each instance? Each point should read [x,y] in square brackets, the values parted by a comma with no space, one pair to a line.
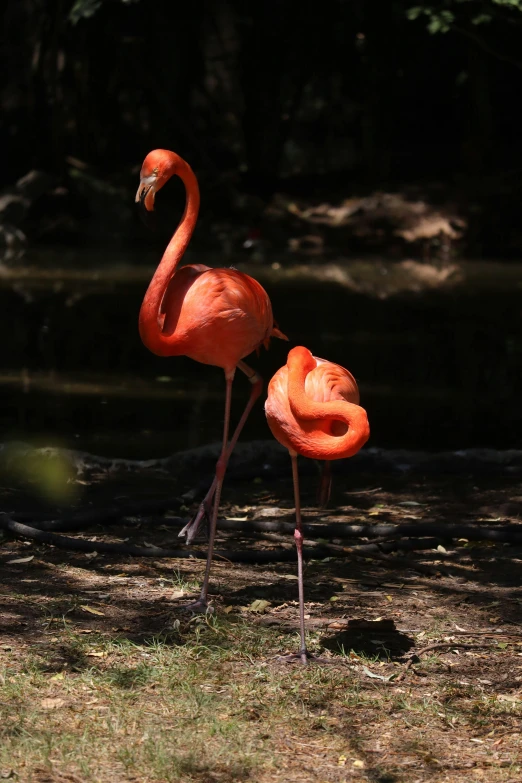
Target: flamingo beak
[146,192]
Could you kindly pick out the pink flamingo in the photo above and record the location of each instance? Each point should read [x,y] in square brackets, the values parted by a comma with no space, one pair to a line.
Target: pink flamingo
[313,410]
[215,316]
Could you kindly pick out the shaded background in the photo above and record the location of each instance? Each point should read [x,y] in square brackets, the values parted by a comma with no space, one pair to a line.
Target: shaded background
[361,159]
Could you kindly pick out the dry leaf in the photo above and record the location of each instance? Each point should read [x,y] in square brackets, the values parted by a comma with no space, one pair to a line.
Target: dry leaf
[20,560]
[341,761]
[259,605]
[91,610]
[389,598]
[508,697]
[52,704]
[359,764]
[378,676]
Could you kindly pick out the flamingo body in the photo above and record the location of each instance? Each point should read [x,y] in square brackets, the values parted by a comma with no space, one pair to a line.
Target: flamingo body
[214,316]
[319,429]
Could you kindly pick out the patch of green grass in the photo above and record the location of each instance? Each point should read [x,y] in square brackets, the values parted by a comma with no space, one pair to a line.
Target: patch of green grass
[168,709]
[208,701]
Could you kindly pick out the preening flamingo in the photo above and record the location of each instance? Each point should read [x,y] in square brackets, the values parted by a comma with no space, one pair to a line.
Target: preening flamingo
[215,316]
[313,409]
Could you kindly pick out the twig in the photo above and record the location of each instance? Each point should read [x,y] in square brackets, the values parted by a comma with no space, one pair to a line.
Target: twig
[487,48]
[438,646]
[514,634]
[364,491]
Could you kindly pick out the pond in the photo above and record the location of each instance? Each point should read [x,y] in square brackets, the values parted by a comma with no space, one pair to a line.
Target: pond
[436,351]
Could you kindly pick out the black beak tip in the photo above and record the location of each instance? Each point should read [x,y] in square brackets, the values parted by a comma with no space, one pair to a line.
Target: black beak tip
[148,218]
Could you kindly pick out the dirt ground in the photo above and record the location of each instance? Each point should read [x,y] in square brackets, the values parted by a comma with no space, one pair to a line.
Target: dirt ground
[103,677]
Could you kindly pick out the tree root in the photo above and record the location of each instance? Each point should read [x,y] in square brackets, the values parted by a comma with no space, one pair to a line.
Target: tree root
[279,555]
[86,517]
[508,533]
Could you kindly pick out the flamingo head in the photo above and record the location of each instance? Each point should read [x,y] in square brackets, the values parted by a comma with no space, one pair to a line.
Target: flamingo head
[158,167]
[301,357]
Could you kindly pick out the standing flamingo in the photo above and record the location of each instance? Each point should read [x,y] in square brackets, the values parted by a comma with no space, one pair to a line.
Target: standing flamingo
[215,316]
[313,409]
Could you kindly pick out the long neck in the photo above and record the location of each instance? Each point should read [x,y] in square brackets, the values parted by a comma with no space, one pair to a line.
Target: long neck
[149,321]
[325,445]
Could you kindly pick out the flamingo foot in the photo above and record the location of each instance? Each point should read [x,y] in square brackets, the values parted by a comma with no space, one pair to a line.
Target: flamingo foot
[304,657]
[201,606]
[191,529]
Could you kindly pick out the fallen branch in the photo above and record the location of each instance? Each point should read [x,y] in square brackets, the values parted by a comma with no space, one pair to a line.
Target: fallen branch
[20,530]
[86,517]
[280,555]
[508,533]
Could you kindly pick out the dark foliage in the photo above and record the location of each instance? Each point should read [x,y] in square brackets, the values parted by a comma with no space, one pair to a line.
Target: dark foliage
[269,95]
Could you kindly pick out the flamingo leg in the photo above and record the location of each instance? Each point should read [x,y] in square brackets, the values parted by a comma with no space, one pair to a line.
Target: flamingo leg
[325,485]
[205,508]
[303,655]
[201,604]
[298,537]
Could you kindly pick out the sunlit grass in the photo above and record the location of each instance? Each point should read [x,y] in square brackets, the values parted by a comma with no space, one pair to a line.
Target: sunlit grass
[208,701]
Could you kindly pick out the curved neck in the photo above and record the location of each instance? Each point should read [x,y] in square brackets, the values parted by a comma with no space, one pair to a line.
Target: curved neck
[149,322]
[305,409]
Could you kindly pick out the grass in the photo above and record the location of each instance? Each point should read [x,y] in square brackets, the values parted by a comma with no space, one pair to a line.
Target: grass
[166,710]
[104,680]
[203,703]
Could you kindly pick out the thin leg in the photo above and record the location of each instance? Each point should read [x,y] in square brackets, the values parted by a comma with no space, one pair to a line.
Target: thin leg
[201,604]
[191,529]
[298,536]
[325,485]
[303,655]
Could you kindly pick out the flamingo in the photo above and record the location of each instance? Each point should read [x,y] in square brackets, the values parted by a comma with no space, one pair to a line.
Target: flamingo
[215,316]
[313,409]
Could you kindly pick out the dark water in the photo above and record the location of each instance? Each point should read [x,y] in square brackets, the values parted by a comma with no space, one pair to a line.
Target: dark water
[438,361]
